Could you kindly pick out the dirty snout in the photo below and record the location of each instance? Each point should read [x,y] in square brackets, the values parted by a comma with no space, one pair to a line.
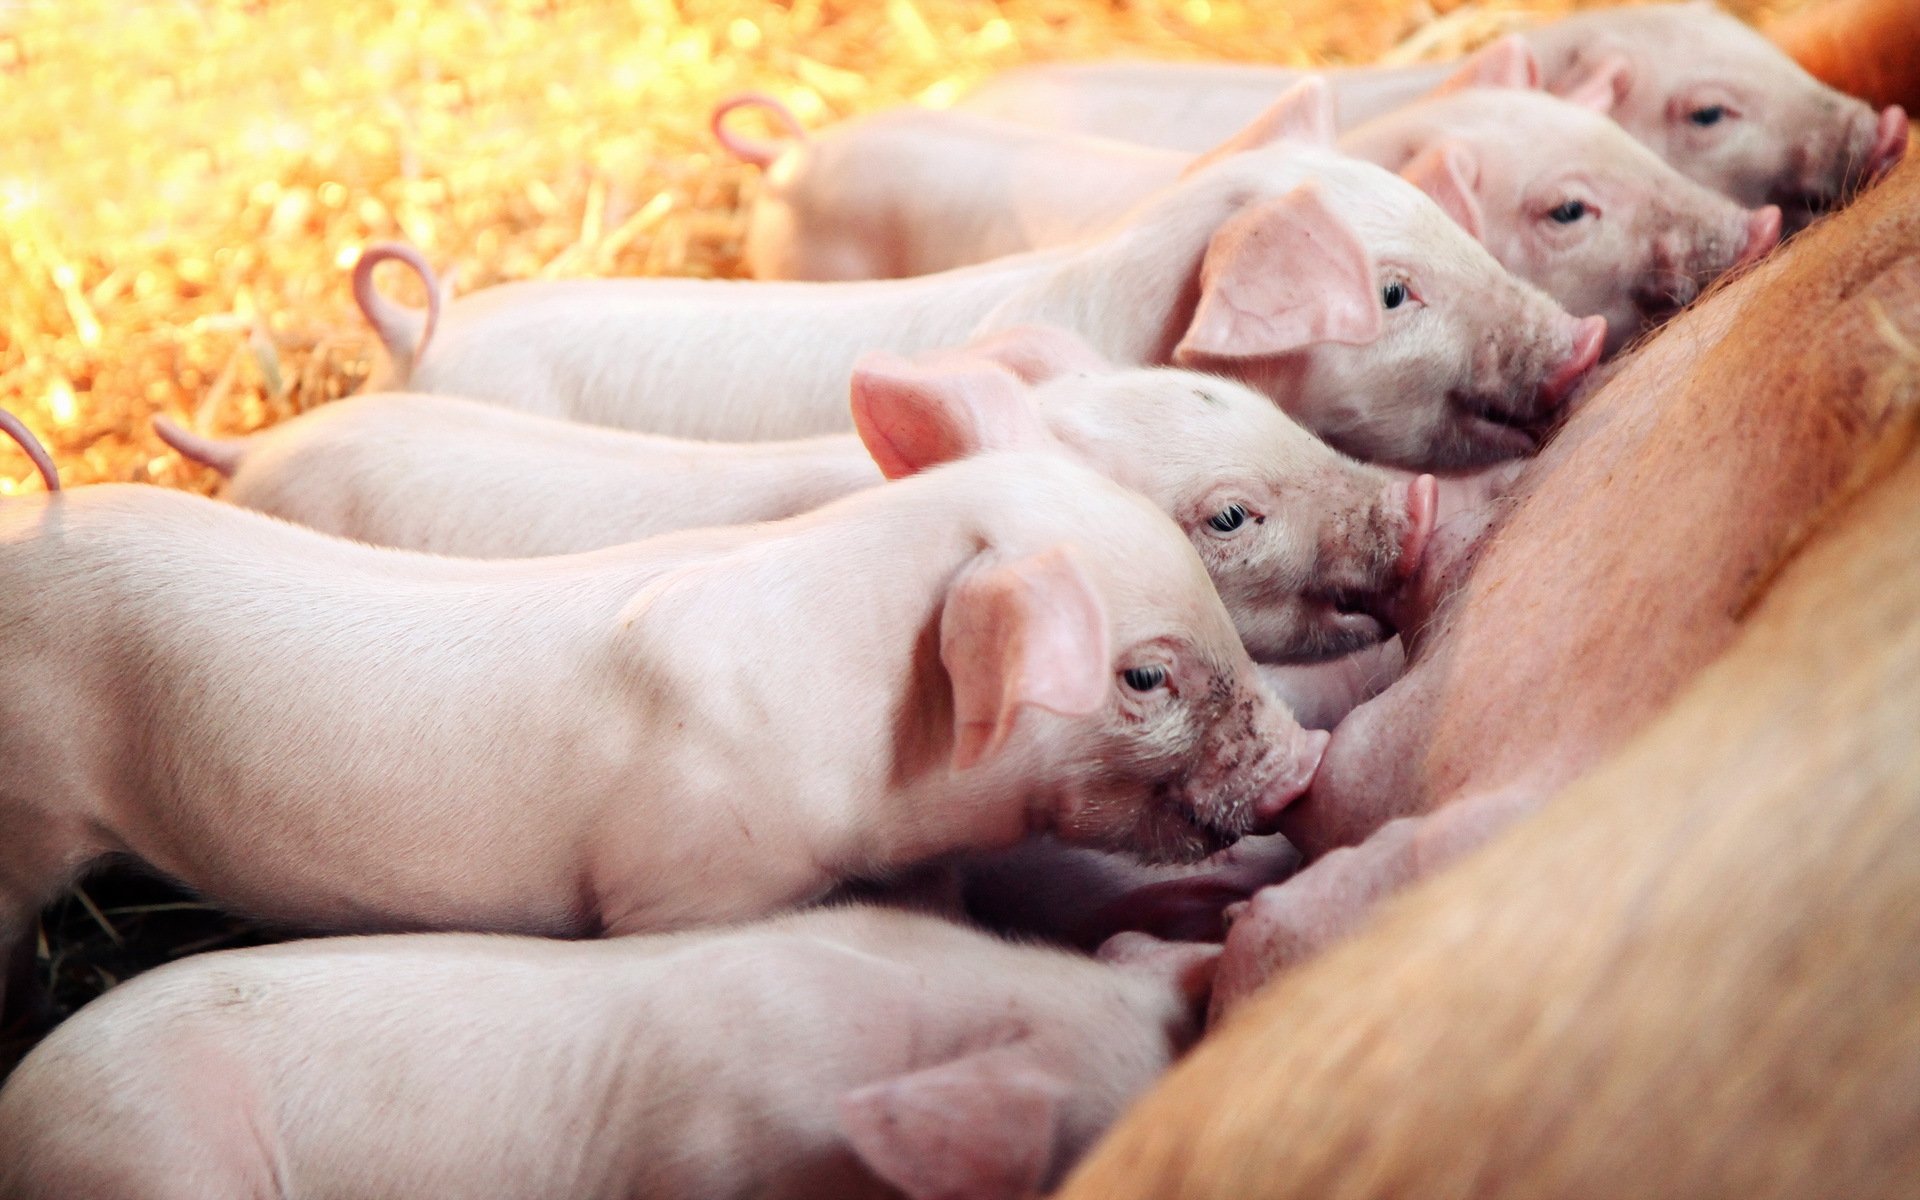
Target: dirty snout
[1252,760]
[1827,172]
[1523,376]
[1689,256]
[1367,555]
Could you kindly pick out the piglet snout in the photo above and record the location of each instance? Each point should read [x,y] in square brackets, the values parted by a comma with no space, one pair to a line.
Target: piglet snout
[1419,499]
[1763,234]
[1889,142]
[1589,339]
[1292,762]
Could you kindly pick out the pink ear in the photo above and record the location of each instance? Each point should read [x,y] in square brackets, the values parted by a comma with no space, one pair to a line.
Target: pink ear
[1506,63]
[1279,277]
[913,417]
[1448,172]
[1303,113]
[1600,86]
[1027,632]
[980,1127]
[1038,353]
[1188,967]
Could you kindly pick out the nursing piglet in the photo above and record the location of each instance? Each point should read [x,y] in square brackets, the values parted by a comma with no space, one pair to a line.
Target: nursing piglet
[841,1053]
[1602,225]
[1082,896]
[696,728]
[1307,548]
[1341,292]
[1697,86]
[1713,457]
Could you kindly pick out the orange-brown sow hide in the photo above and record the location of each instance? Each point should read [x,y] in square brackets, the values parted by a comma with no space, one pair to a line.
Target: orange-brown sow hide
[1639,534]
[1867,48]
[1695,974]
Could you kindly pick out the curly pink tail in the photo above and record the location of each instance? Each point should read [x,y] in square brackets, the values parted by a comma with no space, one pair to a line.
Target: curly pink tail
[42,461]
[220,454]
[401,330]
[750,150]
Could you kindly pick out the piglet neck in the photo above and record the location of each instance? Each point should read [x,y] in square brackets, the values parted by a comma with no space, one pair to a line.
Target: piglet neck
[1129,295]
[989,806]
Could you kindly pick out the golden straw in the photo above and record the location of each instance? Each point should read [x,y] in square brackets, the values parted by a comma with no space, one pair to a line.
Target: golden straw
[186,182]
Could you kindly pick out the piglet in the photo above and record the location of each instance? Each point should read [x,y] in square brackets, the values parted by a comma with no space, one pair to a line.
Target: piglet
[1081,896]
[1602,225]
[1329,285]
[1308,548]
[1699,87]
[443,475]
[696,728]
[840,1053]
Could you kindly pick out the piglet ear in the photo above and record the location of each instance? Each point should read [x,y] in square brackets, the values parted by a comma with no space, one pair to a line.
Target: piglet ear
[1188,966]
[1038,353]
[1600,84]
[911,417]
[981,1127]
[1279,277]
[1508,62]
[1303,113]
[1027,632]
[1448,171]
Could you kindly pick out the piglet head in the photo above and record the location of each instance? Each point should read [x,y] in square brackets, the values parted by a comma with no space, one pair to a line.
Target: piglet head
[1107,677]
[1380,324]
[1724,105]
[1603,225]
[1304,545]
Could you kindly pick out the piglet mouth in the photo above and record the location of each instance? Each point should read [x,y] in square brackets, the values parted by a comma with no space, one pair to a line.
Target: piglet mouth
[1257,794]
[1516,431]
[1800,206]
[1208,836]
[1355,617]
[1860,165]
[1661,296]
[1494,425]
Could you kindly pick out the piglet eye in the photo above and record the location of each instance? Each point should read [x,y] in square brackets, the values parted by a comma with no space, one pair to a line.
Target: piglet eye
[1393,295]
[1711,115]
[1228,519]
[1144,679]
[1569,212]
